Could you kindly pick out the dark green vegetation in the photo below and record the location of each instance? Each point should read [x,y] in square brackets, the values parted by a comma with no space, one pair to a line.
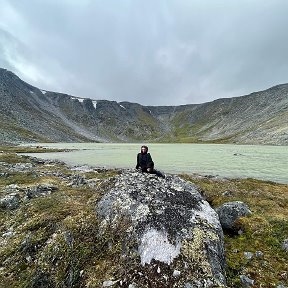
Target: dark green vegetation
[263,231]
[28,114]
[55,239]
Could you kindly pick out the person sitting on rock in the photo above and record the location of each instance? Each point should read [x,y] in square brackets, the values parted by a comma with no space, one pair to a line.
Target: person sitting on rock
[145,162]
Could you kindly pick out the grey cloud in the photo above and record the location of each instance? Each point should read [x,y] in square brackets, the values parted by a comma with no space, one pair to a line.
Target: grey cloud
[150,52]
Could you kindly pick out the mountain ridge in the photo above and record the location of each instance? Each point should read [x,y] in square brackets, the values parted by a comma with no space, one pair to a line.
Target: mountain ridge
[29,114]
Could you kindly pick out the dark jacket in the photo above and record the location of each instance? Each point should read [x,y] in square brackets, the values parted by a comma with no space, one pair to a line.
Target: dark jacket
[144,161]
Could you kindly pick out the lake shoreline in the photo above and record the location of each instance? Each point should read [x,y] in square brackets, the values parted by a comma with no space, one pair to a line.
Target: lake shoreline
[39,150]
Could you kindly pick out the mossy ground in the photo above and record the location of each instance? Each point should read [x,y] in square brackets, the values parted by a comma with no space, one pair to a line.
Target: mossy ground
[263,231]
[56,240]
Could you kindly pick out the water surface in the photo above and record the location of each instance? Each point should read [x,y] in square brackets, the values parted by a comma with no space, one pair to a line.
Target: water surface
[225,160]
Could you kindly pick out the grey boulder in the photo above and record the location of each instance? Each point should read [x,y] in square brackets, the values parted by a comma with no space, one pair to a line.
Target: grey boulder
[230,212]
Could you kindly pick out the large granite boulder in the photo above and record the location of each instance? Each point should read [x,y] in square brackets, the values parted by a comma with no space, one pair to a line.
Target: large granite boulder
[172,237]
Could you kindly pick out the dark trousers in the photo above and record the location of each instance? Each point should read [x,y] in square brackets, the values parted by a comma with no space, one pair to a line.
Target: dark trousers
[151,170]
[148,169]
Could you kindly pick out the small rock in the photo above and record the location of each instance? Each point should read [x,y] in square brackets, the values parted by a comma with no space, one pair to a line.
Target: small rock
[77,181]
[92,183]
[29,259]
[176,273]
[12,188]
[109,283]
[248,255]
[230,212]
[4,174]
[84,168]
[37,160]
[227,193]
[54,162]
[285,245]
[209,176]
[259,254]
[246,281]
[40,190]
[41,279]
[10,202]
[68,238]
[133,285]
[21,167]
[8,234]
[281,286]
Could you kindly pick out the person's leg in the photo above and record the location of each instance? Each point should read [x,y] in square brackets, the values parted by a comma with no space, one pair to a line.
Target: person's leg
[159,173]
[151,170]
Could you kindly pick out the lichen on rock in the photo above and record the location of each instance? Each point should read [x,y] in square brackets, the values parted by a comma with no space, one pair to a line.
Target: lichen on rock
[172,227]
[155,245]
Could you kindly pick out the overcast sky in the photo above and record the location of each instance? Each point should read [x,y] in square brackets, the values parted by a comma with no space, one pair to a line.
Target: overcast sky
[153,52]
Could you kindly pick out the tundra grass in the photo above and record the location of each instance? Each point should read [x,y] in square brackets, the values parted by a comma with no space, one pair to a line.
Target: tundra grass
[263,231]
[55,241]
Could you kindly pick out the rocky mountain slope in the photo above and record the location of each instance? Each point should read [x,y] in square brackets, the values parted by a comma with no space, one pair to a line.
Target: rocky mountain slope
[30,114]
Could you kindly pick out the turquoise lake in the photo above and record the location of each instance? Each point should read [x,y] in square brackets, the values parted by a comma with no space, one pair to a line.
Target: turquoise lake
[225,160]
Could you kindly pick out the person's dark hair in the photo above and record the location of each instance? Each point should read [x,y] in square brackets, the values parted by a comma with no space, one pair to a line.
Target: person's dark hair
[146,147]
